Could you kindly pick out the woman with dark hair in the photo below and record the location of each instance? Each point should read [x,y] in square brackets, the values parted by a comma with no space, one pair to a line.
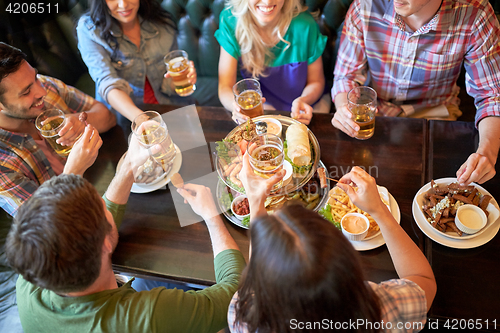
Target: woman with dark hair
[123,43]
[305,276]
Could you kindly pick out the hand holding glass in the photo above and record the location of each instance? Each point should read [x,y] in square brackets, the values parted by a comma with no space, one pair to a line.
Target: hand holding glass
[362,102]
[150,129]
[49,123]
[177,63]
[249,97]
[266,156]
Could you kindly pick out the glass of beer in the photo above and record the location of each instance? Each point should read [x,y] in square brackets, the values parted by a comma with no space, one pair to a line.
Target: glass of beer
[151,130]
[266,155]
[249,97]
[49,123]
[177,63]
[362,102]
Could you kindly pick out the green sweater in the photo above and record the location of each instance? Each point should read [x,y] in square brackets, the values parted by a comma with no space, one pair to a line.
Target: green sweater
[125,310]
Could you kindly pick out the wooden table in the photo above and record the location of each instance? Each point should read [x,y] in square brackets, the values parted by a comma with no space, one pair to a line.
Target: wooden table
[152,242]
[467,280]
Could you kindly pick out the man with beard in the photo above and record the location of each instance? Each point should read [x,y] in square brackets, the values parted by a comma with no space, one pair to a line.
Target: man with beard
[61,243]
[411,52]
[26,160]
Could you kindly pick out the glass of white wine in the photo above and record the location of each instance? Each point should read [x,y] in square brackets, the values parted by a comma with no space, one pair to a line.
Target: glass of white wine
[151,130]
[362,102]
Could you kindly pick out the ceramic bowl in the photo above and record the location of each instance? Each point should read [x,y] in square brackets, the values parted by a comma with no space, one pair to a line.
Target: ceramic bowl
[470,219]
[354,236]
[237,200]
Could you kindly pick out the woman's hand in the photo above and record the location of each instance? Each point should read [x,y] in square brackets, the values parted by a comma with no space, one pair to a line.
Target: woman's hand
[192,76]
[301,111]
[366,197]
[257,188]
[237,116]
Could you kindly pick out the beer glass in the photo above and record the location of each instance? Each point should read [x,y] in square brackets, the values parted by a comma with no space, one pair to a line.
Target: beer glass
[249,97]
[177,63]
[49,123]
[362,102]
[266,155]
[151,130]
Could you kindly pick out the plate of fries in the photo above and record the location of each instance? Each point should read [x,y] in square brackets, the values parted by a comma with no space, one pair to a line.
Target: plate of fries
[448,236]
[341,204]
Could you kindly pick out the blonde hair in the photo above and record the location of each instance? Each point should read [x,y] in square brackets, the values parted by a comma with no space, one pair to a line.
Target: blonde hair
[255,53]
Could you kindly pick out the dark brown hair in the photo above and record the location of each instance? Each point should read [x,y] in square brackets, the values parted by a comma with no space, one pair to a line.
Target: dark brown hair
[55,241]
[301,268]
[11,59]
[149,10]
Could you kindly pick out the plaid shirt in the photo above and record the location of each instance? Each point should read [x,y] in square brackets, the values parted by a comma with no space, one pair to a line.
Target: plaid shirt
[23,165]
[417,70]
[401,302]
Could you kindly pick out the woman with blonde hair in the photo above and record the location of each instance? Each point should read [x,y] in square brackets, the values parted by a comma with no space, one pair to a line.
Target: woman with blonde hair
[277,42]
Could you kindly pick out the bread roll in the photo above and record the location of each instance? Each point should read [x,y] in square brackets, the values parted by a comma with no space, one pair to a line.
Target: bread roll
[299,150]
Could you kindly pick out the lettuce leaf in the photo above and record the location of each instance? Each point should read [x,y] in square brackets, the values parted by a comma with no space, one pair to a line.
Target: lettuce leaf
[326,212]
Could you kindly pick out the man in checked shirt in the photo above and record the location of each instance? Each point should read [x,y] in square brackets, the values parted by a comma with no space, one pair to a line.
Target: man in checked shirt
[411,53]
[26,160]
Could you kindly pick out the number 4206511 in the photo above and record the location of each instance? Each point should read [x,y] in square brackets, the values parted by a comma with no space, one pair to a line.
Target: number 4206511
[32,8]
[470,324]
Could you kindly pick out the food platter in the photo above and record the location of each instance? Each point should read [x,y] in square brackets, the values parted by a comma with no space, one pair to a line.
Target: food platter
[452,239]
[224,200]
[298,179]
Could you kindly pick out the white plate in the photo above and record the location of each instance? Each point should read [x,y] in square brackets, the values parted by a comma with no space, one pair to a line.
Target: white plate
[143,188]
[449,239]
[378,239]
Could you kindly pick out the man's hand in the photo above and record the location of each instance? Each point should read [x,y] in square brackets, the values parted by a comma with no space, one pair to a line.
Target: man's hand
[71,131]
[256,187]
[478,168]
[84,152]
[366,197]
[137,155]
[343,121]
[200,199]
[301,111]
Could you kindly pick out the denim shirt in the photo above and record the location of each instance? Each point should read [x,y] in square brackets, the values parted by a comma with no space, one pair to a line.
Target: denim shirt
[128,68]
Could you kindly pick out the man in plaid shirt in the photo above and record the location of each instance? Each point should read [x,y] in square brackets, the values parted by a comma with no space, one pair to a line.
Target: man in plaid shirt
[411,53]
[26,160]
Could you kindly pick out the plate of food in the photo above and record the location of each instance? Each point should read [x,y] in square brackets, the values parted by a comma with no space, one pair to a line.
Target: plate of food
[152,176]
[435,205]
[339,204]
[311,195]
[301,150]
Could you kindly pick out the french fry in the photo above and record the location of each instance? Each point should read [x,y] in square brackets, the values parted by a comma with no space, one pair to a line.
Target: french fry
[341,204]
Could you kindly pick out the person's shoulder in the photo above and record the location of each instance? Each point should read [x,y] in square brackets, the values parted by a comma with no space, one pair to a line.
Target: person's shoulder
[86,22]
[227,17]
[304,18]
[226,13]
[50,82]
